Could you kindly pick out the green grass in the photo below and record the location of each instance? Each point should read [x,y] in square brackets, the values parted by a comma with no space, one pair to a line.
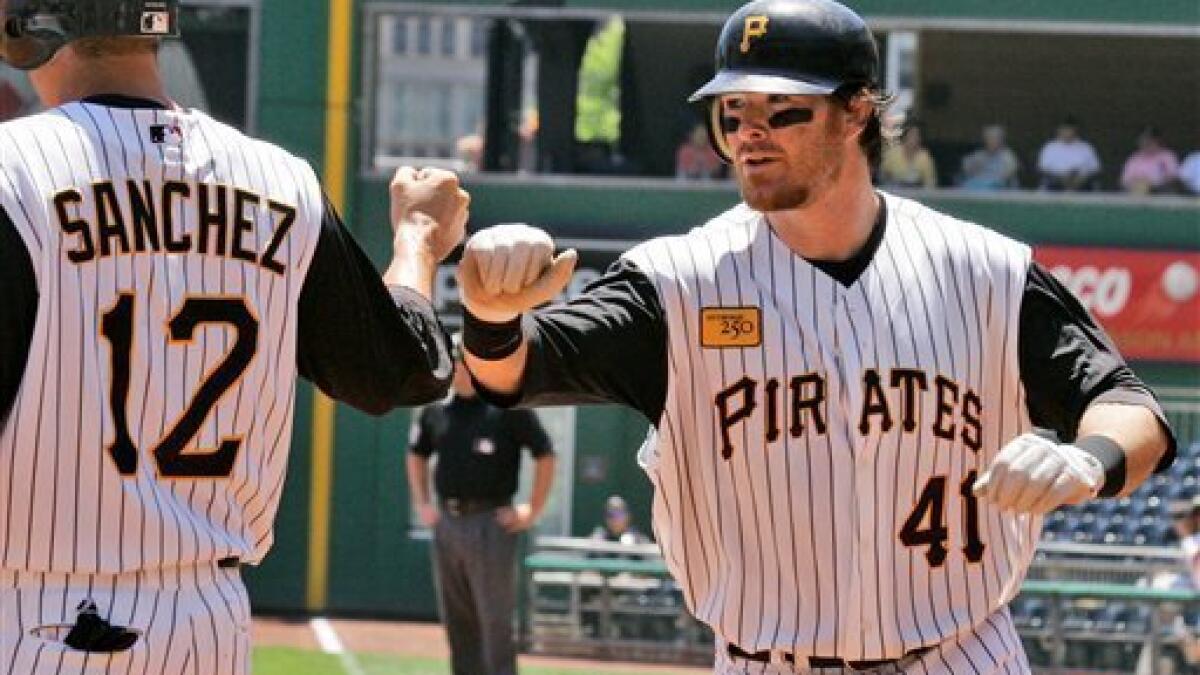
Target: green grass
[287,661]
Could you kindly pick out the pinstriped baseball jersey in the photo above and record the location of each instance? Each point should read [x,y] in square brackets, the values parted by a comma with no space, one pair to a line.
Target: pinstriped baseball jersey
[818,443]
[152,424]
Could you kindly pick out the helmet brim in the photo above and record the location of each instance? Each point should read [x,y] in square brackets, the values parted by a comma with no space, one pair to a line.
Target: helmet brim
[741,81]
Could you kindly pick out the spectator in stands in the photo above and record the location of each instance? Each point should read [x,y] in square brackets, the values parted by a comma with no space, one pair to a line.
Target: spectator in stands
[1189,173]
[908,164]
[618,523]
[474,522]
[993,166]
[1185,656]
[470,151]
[1187,525]
[1068,163]
[695,158]
[1152,167]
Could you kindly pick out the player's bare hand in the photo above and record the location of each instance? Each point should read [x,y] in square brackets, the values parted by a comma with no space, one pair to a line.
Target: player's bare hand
[429,515]
[516,518]
[1033,474]
[509,269]
[429,210]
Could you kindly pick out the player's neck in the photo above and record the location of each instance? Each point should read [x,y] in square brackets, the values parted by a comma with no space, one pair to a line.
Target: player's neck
[74,80]
[834,226]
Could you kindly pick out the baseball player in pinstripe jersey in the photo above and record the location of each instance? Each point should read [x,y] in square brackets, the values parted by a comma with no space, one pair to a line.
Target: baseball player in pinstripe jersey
[165,278]
[843,383]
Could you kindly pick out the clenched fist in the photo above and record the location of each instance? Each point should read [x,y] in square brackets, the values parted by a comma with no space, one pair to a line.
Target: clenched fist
[429,211]
[509,269]
[1033,474]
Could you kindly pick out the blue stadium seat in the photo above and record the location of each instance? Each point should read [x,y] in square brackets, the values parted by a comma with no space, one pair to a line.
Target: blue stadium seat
[1114,618]
[1029,612]
[1138,620]
[1164,534]
[1145,534]
[1079,618]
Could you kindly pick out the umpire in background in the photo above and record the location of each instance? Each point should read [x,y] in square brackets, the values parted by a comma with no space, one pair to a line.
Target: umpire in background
[475,525]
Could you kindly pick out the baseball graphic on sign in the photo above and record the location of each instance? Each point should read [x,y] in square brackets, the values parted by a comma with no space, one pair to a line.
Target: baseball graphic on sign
[1180,281]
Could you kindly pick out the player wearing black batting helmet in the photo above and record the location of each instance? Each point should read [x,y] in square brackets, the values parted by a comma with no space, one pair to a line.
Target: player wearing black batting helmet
[844,384]
[816,47]
[34,30]
[166,279]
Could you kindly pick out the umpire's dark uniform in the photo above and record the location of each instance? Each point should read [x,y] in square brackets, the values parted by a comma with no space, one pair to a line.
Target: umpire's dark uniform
[479,455]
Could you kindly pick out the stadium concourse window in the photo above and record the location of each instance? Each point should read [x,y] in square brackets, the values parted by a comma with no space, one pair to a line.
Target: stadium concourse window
[502,90]
[427,79]
[208,69]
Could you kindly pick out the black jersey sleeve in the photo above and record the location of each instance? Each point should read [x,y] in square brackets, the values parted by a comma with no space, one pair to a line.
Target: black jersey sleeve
[361,342]
[18,312]
[1068,362]
[608,345]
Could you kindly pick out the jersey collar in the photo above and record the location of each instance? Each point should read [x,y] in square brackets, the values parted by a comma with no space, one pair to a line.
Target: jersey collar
[846,272]
[122,101]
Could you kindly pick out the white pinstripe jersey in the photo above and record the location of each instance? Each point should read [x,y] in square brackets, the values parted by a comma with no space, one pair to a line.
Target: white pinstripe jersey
[153,421]
[814,460]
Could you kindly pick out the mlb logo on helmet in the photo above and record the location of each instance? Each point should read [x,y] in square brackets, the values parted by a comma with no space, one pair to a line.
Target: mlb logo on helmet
[156,19]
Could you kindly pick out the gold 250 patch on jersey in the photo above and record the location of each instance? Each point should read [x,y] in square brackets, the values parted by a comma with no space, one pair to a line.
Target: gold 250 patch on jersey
[723,327]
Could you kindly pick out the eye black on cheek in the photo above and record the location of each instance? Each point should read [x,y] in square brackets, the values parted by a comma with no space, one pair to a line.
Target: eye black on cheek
[730,125]
[790,117]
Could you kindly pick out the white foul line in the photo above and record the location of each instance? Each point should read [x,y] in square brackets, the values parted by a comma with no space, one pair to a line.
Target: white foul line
[330,643]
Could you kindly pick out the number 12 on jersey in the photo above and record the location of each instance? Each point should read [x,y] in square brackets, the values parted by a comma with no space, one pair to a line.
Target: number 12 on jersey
[931,507]
[117,327]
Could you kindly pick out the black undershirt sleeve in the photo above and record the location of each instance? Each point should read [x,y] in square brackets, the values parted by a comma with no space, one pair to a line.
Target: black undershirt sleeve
[373,347]
[18,312]
[1068,362]
[608,345]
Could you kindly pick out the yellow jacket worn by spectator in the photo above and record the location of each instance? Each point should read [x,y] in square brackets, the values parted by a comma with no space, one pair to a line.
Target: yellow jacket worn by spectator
[908,164]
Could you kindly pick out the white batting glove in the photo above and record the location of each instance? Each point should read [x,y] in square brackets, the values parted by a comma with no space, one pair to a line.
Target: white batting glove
[509,269]
[1035,475]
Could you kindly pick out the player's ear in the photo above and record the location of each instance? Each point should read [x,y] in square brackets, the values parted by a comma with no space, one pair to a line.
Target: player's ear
[858,113]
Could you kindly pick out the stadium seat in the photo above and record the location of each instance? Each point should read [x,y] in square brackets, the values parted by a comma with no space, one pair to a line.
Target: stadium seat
[1116,618]
[1079,618]
[1029,612]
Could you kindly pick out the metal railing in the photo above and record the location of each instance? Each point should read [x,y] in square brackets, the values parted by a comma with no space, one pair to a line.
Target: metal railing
[608,600]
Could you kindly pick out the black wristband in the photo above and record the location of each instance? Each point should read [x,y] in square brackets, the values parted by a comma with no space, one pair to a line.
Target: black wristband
[1112,458]
[491,341]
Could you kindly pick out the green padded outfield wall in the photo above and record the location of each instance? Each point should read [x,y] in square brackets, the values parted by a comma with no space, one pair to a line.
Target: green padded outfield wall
[375,568]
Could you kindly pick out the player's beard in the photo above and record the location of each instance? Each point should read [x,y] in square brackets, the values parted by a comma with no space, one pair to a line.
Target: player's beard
[803,176]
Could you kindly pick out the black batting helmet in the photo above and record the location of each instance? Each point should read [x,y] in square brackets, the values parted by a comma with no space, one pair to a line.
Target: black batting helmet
[789,47]
[34,30]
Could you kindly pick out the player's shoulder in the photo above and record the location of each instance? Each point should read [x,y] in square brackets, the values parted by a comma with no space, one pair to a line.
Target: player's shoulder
[297,168]
[948,234]
[710,236]
[29,127]
[28,145]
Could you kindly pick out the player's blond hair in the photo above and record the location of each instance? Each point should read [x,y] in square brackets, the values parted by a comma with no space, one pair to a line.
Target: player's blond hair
[101,47]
